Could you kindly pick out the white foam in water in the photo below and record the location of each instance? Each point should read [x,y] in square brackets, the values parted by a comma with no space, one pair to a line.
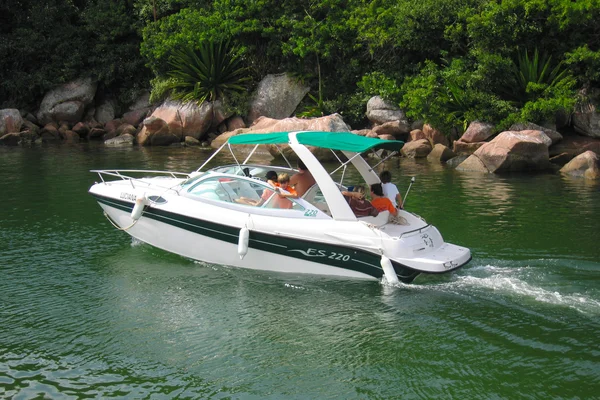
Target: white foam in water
[136,242]
[504,280]
[501,280]
[294,286]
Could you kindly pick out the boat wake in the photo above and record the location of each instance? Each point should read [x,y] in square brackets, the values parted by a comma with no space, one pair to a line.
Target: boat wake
[518,284]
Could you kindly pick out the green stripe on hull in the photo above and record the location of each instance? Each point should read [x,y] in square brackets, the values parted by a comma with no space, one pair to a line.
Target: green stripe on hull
[322,253]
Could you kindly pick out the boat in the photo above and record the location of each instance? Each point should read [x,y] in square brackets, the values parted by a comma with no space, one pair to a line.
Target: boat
[200,215]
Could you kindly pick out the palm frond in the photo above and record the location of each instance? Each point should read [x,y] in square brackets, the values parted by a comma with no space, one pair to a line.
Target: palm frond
[210,72]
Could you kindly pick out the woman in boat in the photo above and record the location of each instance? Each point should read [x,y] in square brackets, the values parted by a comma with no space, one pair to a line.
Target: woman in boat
[271,178]
[360,206]
[380,202]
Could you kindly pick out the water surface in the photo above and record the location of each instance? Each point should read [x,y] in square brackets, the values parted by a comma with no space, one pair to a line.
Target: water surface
[87,312]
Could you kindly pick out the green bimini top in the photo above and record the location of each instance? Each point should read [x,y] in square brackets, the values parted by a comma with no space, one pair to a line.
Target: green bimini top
[344,141]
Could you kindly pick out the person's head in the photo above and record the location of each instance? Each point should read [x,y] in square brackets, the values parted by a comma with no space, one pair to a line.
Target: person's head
[385,176]
[359,189]
[283,179]
[376,189]
[271,176]
[301,166]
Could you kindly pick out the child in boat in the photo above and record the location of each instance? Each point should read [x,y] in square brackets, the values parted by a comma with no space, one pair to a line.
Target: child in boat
[360,206]
[390,190]
[380,202]
[285,192]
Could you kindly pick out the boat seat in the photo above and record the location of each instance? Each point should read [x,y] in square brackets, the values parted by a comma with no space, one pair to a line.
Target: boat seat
[379,220]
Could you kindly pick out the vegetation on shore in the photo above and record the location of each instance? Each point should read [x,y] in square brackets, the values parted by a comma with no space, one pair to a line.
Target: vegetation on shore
[447,62]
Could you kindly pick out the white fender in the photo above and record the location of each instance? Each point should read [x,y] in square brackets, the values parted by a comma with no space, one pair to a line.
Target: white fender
[243,242]
[388,270]
[138,208]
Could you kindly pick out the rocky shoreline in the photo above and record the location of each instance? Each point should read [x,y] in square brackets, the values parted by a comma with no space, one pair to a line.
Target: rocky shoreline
[72,113]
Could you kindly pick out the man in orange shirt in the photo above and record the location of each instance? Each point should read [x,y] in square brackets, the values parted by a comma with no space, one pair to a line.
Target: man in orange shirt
[380,202]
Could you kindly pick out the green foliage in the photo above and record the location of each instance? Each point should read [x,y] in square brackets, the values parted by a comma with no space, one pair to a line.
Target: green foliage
[379,84]
[34,54]
[213,72]
[316,109]
[585,64]
[46,43]
[446,61]
[533,76]
[450,97]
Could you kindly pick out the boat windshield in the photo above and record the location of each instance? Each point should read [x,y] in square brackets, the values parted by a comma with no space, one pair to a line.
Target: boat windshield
[252,170]
[251,194]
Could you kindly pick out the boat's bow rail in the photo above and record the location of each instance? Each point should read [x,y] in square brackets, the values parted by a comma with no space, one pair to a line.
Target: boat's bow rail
[142,178]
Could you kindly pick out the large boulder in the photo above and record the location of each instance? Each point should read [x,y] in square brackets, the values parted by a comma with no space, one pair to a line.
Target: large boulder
[416,149]
[510,151]
[277,96]
[10,121]
[105,111]
[111,127]
[234,123]
[126,129]
[329,123]
[416,134]
[440,153]
[135,117]
[435,136]
[477,132]
[585,165]
[554,136]
[156,132]
[587,122]
[394,128]
[572,146]
[380,111]
[185,119]
[463,148]
[67,102]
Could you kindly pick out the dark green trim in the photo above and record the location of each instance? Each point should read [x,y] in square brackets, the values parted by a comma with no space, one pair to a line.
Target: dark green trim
[322,253]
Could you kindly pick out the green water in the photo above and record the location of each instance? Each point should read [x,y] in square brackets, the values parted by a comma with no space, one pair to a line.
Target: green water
[87,313]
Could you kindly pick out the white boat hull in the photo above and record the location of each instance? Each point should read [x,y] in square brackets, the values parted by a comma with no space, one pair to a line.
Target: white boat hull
[323,246]
[203,248]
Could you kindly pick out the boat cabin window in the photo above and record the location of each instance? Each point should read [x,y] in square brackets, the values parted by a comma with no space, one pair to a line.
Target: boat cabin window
[247,192]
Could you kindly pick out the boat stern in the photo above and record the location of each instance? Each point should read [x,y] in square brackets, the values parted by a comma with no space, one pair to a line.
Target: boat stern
[425,250]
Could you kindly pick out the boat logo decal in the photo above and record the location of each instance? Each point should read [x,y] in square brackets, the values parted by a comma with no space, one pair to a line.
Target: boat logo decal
[127,196]
[427,240]
[310,213]
[310,252]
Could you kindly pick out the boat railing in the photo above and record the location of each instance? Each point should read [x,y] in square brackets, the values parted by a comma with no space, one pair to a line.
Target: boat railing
[414,231]
[127,175]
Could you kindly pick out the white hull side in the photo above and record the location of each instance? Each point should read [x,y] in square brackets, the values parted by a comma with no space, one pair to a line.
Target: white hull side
[202,248]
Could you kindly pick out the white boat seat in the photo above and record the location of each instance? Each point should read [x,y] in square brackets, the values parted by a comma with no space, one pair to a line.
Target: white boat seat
[379,220]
